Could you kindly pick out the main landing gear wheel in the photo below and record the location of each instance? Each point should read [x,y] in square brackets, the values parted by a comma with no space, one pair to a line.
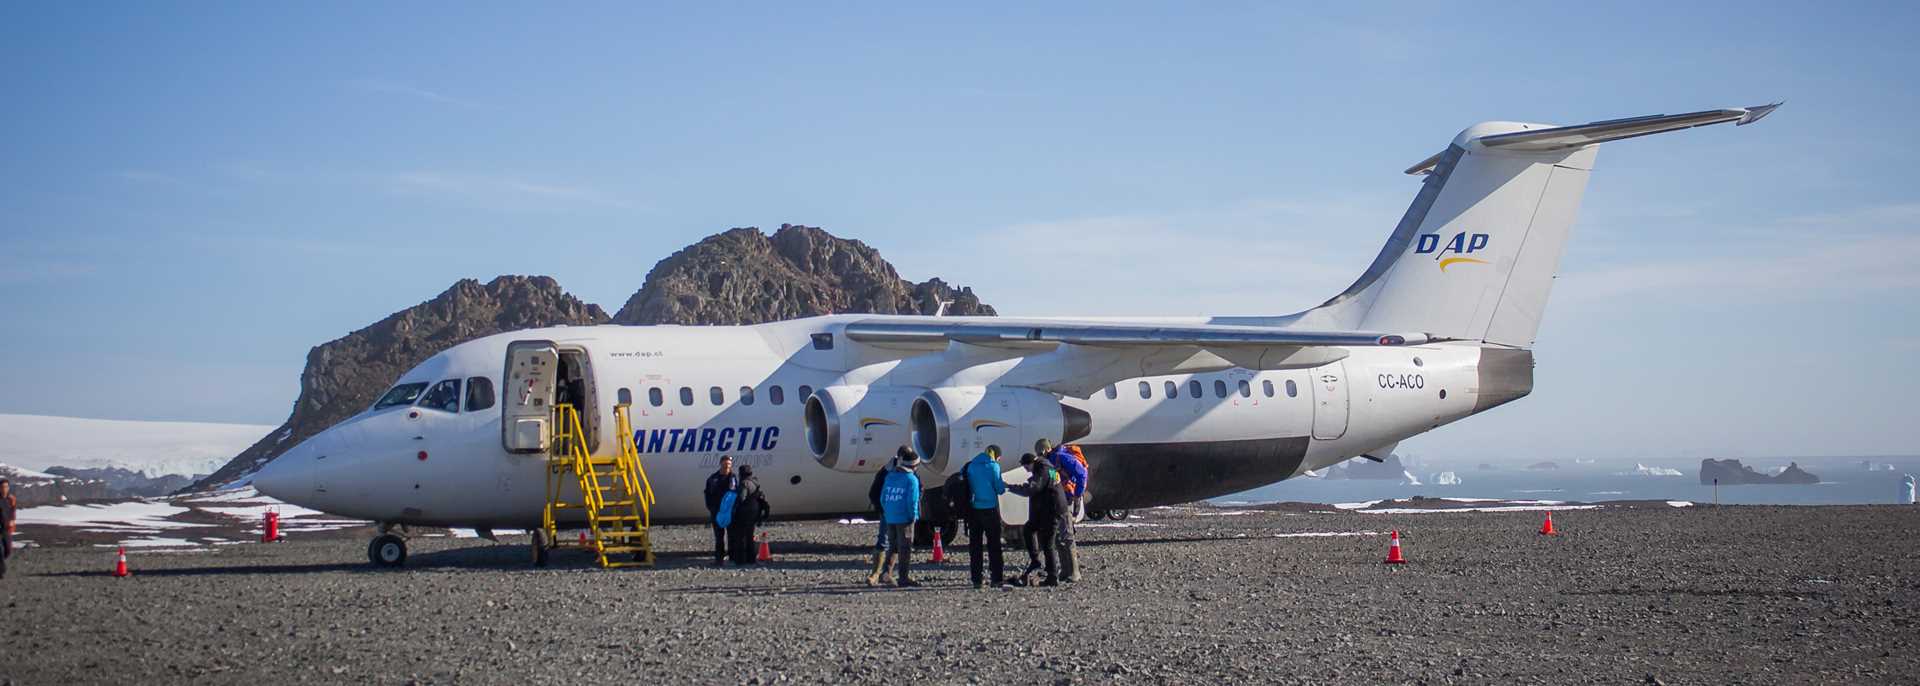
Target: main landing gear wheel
[1096,515]
[540,546]
[1118,515]
[387,550]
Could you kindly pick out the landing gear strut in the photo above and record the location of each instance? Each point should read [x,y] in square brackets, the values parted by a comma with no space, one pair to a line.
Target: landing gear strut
[540,546]
[387,550]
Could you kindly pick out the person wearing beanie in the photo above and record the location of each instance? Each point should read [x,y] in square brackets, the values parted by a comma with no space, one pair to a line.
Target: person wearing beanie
[899,509]
[1045,502]
[746,514]
[984,486]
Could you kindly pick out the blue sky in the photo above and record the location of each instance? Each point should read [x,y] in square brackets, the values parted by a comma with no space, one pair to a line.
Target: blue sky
[193,195]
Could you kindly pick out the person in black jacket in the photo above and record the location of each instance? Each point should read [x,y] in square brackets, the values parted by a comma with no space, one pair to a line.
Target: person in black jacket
[718,483]
[6,525]
[1046,503]
[748,504]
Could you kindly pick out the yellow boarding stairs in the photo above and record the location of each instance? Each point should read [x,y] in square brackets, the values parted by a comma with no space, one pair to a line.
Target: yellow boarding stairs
[613,490]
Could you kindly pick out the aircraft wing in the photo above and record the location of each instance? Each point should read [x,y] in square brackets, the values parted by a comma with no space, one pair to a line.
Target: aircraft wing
[1078,358]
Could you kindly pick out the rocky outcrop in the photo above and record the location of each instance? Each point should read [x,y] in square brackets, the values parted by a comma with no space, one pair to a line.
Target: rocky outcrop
[126,483]
[1731,472]
[744,276]
[345,375]
[33,489]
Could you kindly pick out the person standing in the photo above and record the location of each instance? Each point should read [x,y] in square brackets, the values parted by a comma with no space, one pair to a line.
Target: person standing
[1073,482]
[747,506]
[1045,503]
[985,483]
[719,484]
[873,497]
[7,508]
[899,509]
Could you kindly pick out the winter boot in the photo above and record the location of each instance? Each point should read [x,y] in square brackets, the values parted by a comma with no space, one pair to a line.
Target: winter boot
[1070,564]
[882,567]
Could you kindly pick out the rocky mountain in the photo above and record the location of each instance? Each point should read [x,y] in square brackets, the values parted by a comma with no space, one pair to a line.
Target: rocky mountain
[741,276]
[344,376]
[127,483]
[744,276]
[1731,472]
[33,489]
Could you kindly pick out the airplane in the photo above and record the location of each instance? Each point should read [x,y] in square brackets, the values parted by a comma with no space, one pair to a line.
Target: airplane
[1167,410]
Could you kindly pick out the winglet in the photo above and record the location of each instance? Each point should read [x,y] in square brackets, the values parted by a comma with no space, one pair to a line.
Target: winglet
[1755,114]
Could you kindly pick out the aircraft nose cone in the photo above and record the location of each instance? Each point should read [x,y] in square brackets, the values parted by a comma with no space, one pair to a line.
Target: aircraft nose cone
[281,479]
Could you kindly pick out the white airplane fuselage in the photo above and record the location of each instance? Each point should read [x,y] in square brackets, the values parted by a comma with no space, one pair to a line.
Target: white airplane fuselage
[1242,429]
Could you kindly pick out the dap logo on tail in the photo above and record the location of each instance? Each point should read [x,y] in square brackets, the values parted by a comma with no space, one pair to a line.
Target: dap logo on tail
[1455,251]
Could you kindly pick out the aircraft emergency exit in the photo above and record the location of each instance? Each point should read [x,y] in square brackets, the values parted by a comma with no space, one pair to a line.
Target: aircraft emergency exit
[1439,327]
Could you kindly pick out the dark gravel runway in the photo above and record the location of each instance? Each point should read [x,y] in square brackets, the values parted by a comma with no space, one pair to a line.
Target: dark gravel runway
[1626,595]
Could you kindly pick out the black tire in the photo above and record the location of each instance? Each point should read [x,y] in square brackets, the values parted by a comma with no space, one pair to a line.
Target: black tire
[387,550]
[1096,515]
[540,545]
[1118,515]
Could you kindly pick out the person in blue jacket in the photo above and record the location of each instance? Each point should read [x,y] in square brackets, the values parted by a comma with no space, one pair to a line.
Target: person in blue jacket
[1073,481]
[985,484]
[899,509]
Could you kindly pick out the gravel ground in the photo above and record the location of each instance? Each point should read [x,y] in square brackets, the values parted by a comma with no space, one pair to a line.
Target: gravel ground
[1628,594]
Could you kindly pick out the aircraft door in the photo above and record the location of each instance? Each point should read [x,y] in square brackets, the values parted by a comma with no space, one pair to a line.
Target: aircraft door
[533,367]
[1329,384]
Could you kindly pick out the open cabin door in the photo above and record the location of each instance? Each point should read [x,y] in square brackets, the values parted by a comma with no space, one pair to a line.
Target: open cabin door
[526,420]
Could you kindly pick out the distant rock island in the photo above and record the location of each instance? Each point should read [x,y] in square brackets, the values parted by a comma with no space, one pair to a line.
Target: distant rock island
[740,276]
[1549,464]
[1732,473]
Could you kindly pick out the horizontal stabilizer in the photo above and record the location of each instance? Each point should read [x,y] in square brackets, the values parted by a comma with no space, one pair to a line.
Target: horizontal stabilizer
[1565,137]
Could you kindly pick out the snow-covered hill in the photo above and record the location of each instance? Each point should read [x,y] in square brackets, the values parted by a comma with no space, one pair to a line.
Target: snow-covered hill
[154,448]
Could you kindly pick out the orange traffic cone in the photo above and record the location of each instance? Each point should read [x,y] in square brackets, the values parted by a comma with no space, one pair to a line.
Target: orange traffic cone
[1547,528]
[583,539]
[1393,552]
[939,551]
[120,566]
[766,550]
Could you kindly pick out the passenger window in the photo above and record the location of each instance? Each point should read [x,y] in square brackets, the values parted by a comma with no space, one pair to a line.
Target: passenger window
[746,395]
[1173,390]
[1146,390]
[716,395]
[823,341]
[1219,388]
[777,394]
[479,393]
[1266,386]
[403,394]
[1193,388]
[444,397]
[656,397]
[1246,390]
[686,396]
[1292,390]
[1112,391]
[805,392]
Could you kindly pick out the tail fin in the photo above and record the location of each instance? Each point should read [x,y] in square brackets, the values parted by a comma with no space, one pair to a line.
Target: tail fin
[1476,253]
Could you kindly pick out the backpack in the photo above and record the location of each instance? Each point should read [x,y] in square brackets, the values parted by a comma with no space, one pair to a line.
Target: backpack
[959,493]
[724,517]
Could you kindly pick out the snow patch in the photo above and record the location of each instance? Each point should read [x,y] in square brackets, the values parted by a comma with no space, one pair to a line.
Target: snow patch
[1358,505]
[1497,508]
[1679,503]
[1643,470]
[135,515]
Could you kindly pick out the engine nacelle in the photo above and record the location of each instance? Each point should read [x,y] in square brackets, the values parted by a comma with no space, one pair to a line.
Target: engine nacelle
[963,420]
[857,428]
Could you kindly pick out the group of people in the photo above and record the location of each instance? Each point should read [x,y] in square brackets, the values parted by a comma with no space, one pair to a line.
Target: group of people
[736,506]
[1055,489]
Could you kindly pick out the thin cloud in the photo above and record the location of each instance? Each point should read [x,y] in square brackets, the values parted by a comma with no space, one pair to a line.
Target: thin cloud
[391,87]
[494,189]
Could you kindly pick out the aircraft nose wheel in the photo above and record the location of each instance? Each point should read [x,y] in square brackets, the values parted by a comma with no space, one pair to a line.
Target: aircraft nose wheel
[387,550]
[1117,515]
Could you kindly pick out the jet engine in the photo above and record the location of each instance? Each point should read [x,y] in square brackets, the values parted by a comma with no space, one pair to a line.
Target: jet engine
[857,428]
[963,420]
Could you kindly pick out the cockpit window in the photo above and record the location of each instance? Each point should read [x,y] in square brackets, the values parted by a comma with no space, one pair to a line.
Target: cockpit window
[403,394]
[479,393]
[445,396]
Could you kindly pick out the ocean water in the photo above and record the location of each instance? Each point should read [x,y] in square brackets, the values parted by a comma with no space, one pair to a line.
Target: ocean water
[1844,481]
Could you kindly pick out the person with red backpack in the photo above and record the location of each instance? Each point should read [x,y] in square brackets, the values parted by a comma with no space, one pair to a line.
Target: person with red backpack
[1073,482]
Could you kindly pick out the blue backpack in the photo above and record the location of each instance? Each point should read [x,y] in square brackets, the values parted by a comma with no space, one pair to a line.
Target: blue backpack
[725,516]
